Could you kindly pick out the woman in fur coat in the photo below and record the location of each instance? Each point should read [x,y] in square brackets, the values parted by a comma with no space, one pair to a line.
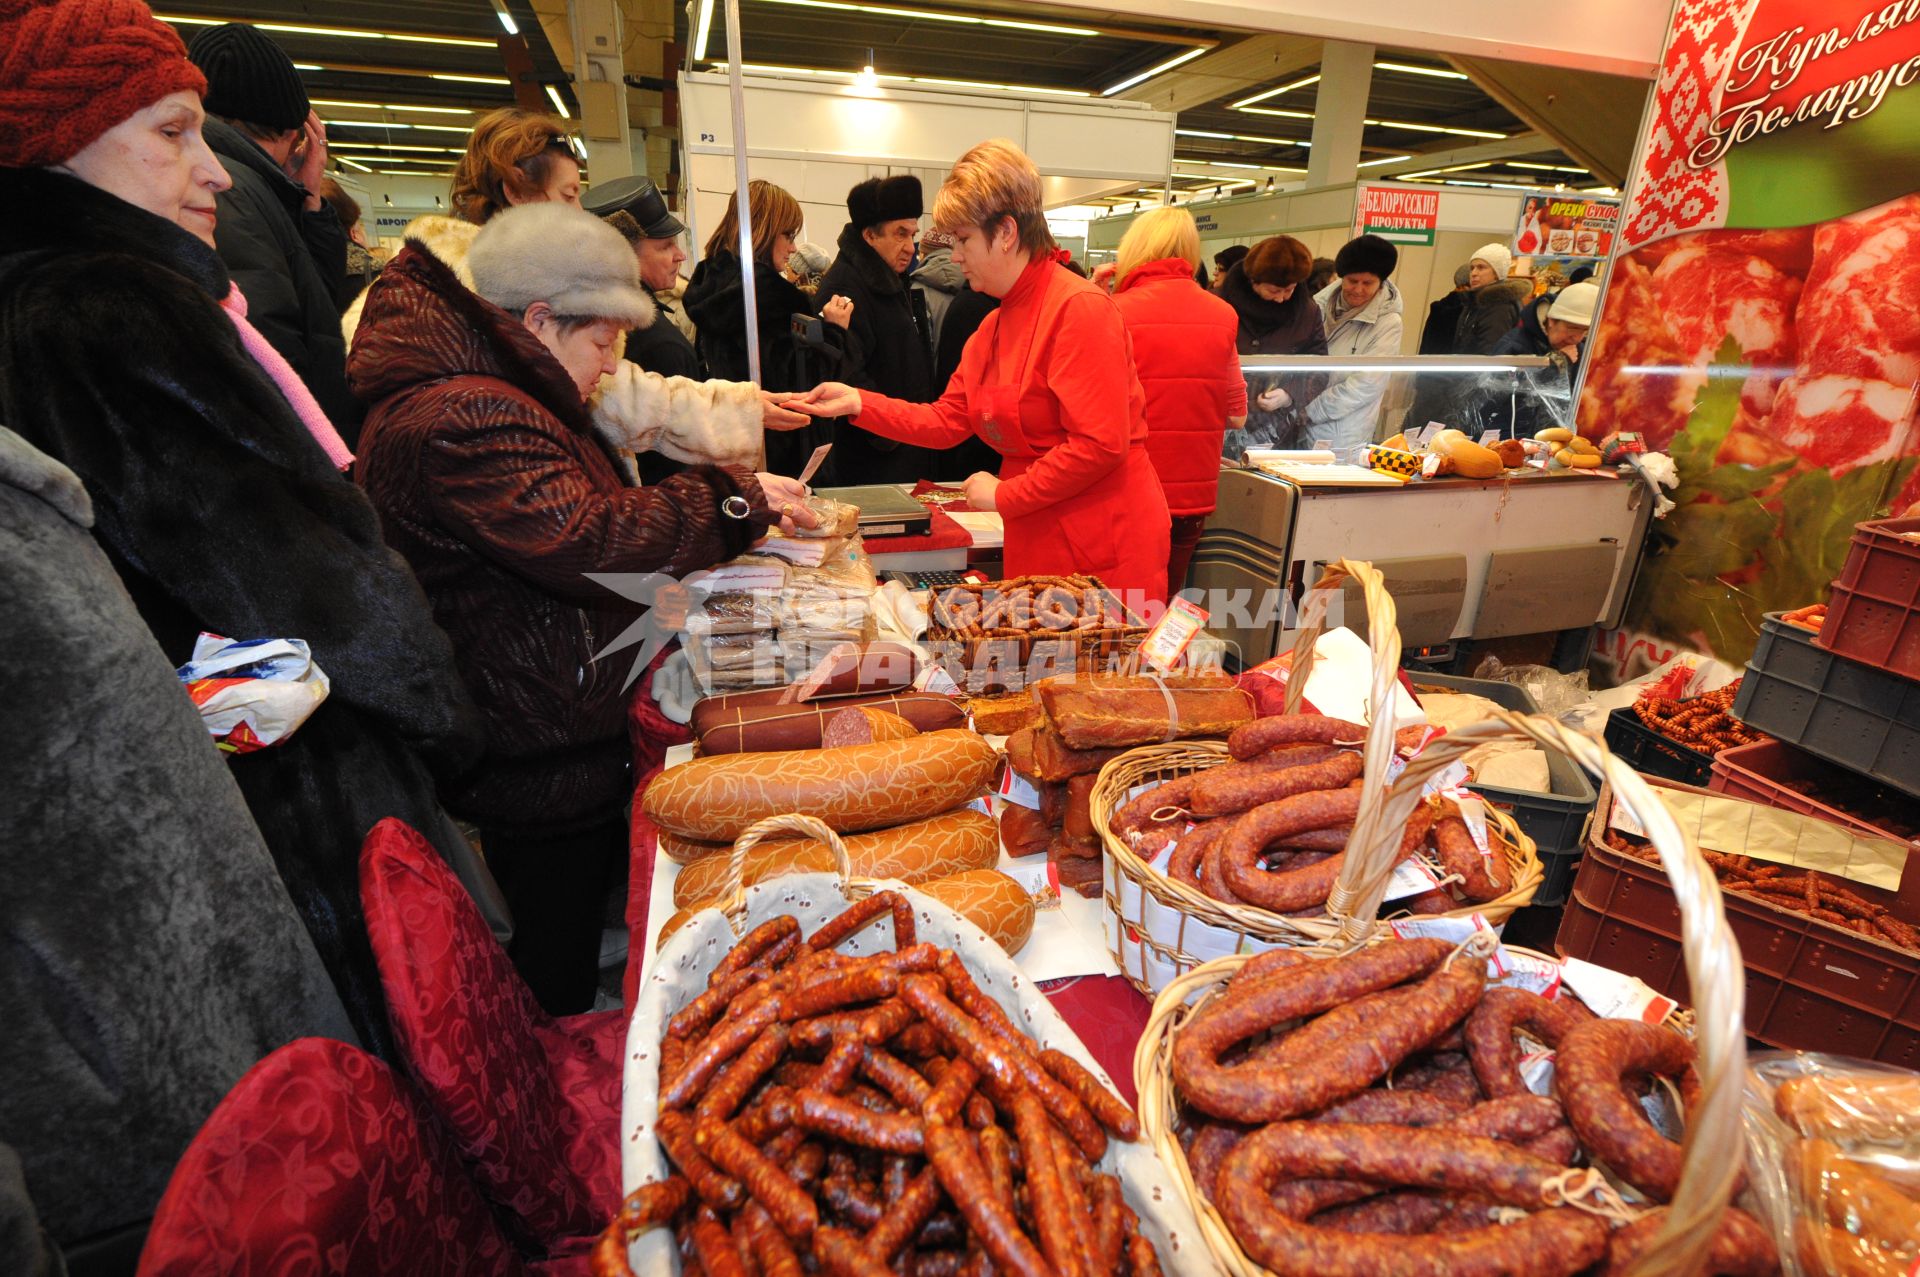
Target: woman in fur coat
[125,355]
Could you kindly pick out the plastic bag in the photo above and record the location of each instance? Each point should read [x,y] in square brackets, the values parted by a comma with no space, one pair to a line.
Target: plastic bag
[252,693]
[734,612]
[836,518]
[1834,1162]
[1553,692]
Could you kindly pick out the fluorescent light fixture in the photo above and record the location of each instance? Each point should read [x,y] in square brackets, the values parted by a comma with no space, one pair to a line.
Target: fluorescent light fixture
[391,106]
[506,19]
[1437,128]
[1274,93]
[932,15]
[1456,168]
[395,146]
[1150,72]
[308,66]
[342,33]
[762,68]
[368,124]
[1546,168]
[1225,137]
[702,27]
[470,79]
[1201,159]
[1391,159]
[1274,110]
[1438,73]
[559,103]
[350,164]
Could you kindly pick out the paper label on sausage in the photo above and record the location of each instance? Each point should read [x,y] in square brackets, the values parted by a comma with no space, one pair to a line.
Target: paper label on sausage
[1410,878]
[1536,1070]
[1018,790]
[1473,814]
[1534,973]
[1621,817]
[1167,641]
[934,678]
[1614,996]
[1454,930]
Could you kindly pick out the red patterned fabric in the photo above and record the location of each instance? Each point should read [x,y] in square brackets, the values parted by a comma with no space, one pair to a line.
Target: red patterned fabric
[1671,195]
[321,1161]
[533,1104]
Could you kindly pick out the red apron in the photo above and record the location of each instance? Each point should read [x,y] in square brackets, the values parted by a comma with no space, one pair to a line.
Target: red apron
[1117,529]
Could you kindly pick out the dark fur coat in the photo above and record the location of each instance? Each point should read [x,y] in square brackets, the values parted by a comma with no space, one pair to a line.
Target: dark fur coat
[221,513]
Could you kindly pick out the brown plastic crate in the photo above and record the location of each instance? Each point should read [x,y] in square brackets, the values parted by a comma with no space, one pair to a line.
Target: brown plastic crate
[1810,985]
[1873,615]
[1766,773]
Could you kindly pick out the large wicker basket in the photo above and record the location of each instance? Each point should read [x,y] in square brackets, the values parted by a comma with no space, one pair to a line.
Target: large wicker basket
[1714,1149]
[1158,928]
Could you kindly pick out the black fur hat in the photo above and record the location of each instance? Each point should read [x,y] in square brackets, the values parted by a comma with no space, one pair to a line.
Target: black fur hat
[1369,255]
[884,199]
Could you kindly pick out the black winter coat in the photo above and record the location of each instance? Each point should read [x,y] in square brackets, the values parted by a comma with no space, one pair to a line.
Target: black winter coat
[661,347]
[287,261]
[1443,317]
[221,513]
[1292,327]
[1529,336]
[1490,312]
[717,301]
[888,350]
[489,478]
[968,310]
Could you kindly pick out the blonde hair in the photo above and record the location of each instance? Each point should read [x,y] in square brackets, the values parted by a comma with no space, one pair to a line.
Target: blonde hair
[1156,234]
[510,150]
[775,213]
[994,180]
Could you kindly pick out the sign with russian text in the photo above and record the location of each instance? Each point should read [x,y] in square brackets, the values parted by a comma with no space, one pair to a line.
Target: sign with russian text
[1395,214]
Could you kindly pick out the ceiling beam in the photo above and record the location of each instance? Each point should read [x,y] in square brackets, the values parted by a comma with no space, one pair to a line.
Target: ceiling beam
[1479,153]
[1594,118]
[1250,63]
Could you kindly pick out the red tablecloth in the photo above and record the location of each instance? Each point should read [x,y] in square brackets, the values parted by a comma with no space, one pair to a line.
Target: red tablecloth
[1106,1012]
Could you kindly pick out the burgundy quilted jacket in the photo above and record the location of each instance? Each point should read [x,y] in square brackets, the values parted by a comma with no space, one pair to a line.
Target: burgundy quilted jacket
[489,480]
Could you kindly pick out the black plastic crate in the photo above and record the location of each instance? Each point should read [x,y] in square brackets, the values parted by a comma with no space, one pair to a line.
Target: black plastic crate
[1648,751]
[1557,822]
[1859,716]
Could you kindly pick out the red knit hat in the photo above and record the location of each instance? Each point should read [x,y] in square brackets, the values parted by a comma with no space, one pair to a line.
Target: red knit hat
[72,69]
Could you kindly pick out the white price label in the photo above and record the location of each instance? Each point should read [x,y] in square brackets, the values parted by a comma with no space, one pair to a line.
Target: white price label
[1614,996]
[1621,817]
[1410,878]
[1019,791]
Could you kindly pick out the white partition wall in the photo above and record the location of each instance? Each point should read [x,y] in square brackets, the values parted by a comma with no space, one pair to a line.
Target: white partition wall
[817,139]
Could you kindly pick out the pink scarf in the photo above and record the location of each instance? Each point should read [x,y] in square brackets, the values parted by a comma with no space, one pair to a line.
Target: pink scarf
[304,405]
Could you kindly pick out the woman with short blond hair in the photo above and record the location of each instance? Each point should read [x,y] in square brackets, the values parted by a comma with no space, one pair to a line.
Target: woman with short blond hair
[1183,350]
[1048,382]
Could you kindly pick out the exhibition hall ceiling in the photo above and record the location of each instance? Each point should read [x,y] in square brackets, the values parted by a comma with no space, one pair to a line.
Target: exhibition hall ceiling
[399,84]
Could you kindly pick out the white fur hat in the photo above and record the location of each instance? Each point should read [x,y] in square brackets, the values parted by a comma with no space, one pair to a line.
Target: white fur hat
[1495,255]
[563,256]
[1574,304]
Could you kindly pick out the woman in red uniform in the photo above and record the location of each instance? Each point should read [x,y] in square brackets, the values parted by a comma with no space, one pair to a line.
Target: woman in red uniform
[1048,382]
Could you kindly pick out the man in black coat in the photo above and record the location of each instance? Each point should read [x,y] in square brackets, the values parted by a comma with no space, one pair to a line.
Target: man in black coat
[279,240]
[887,344]
[633,206]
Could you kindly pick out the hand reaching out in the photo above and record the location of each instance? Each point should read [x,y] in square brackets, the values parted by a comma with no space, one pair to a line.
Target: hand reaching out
[828,399]
[775,417]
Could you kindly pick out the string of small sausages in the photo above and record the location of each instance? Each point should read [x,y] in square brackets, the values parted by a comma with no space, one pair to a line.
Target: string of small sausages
[1270,827]
[1703,722]
[1806,893]
[1366,1114]
[1026,605]
[874,1115]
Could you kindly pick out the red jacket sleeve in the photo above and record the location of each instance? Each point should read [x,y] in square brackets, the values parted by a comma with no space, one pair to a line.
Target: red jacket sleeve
[940,424]
[1236,380]
[1090,372]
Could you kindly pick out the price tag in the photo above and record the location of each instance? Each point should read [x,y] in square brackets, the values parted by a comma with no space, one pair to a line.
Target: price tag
[1489,437]
[1410,878]
[1614,996]
[1019,791]
[1539,975]
[1621,817]
[1473,814]
[1452,930]
[1170,635]
[1536,1070]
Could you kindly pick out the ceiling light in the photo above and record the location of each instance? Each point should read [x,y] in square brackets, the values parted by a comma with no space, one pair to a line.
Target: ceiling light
[1202,133]
[1439,73]
[344,33]
[1201,159]
[767,69]
[1150,72]
[1437,128]
[470,79]
[1273,141]
[559,103]
[1274,93]
[506,19]
[702,26]
[390,106]
[395,146]
[866,81]
[1274,110]
[933,15]
[308,66]
[350,164]
[1546,168]
[1391,159]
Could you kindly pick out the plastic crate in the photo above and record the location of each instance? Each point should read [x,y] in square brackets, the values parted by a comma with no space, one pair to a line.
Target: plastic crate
[1768,773]
[1647,751]
[1557,821]
[1856,715]
[1874,613]
[1810,986]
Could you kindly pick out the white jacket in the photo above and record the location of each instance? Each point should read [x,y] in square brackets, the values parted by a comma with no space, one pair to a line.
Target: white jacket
[1348,410]
[696,422]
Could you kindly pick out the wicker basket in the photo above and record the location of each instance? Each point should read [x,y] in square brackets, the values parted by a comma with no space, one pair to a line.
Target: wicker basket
[1158,928]
[1714,1148]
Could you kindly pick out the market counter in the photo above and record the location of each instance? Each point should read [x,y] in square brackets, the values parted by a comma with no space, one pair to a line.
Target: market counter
[1530,552]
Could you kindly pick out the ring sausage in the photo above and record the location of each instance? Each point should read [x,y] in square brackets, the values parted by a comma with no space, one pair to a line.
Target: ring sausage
[1250,740]
[852,789]
[1590,1068]
[1490,1029]
[1482,877]
[1740,1246]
